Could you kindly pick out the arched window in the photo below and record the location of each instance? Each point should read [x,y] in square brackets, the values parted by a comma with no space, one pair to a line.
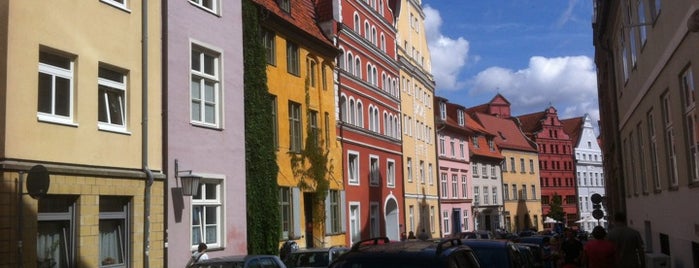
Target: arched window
[358,67]
[383,42]
[343,108]
[385,123]
[341,59]
[373,35]
[360,114]
[383,81]
[352,111]
[367,31]
[368,72]
[350,60]
[357,23]
[375,74]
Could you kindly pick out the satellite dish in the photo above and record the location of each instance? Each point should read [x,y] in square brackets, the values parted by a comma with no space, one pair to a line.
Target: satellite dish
[38,182]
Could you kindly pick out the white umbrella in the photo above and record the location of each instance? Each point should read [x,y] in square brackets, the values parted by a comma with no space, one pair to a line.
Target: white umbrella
[550,220]
[582,220]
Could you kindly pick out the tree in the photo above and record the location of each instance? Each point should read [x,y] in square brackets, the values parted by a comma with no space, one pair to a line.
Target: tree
[261,168]
[556,209]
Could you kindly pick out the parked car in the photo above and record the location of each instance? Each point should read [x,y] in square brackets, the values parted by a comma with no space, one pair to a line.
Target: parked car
[496,253]
[534,239]
[531,254]
[313,257]
[381,252]
[249,261]
[480,234]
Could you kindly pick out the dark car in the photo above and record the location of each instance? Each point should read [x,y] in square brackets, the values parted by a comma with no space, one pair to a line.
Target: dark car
[313,257]
[534,239]
[536,251]
[250,261]
[496,253]
[381,252]
[476,235]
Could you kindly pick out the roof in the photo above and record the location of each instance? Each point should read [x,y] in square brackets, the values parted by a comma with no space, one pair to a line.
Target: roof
[573,127]
[483,148]
[531,123]
[509,136]
[302,15]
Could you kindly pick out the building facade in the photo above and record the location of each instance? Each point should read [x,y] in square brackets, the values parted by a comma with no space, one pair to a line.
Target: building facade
[556,166]
[417,93]
[203,131]
[82,100]
[521,188]
[646,59]
[368,98]
[300,64]
[486,170]
[588,169]
[455,214]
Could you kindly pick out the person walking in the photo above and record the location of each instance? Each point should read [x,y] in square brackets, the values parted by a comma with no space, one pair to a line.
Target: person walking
[599,252]
[199,255]
[571,248]
[628,243]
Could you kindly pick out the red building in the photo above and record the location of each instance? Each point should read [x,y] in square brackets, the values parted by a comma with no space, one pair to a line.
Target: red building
[369,113]
[556,163]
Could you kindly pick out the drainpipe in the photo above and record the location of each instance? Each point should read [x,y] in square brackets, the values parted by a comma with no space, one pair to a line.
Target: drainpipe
[144,133]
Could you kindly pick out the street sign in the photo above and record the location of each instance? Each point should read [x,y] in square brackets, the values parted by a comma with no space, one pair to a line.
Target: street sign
[597,214]
[596,198]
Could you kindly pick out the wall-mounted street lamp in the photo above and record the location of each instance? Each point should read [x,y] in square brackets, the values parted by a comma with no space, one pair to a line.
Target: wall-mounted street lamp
[189,181]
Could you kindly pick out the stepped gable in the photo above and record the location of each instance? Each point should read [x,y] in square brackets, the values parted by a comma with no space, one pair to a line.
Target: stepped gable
[302,15]
[573,127]
[509,136]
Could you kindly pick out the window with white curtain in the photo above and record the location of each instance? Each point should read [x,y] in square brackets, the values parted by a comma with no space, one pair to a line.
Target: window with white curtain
[114,231]
[55,234]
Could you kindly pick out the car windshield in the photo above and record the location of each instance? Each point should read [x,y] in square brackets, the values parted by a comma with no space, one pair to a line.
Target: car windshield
[307,259]
[492,257]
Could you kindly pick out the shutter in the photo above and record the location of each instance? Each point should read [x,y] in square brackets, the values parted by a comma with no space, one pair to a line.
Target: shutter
[328,214]
[343,212]
[296,201]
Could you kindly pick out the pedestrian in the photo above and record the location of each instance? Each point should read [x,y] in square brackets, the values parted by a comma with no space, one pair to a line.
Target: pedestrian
[628,243]
[199,255]
[571,248]
[599,252]
[546,253]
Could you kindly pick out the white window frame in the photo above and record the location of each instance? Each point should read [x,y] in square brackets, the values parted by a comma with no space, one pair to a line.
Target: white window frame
[443,181]
[203,78]
[335,212]
[69,219]
[113,86]
[688,87]
[355,216]
[353,167]
[58,72]
[116,3]
[430,172]
[214,8]
[409,168]
[422,171]
[464,186]
[123,235]
[390,173]
[454,185]
[217,202]
[445,218]
[374,170]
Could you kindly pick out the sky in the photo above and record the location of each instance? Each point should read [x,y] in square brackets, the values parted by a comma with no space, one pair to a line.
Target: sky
[536,53]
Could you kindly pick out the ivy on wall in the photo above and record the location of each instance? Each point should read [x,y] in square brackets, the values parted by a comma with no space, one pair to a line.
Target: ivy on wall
[263,219]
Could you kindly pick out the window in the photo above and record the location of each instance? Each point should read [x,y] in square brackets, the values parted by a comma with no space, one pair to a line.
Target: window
[430,174]
[460,116]
[445,218]
[111,100]
[474,140]
[495,195]
[355,224]
[454,186]
[295,136]
[687,85]
[442,150]
[353,170]
[374,229]
[269,44]
[533,191]
[207,215]
[313,124]
[114,231]
[334,204]
[285,5]
[275,125]
[654,9]
[641,11]
[55,101]
[476,195]
[512,164]
[422,171]
[356,22]
[523,196]
[205,91]
[514,191]
[374,172]
[292,58]
[531,166]
[390,173]
[442,110]
[464,186]
[462,150]
[444,185]
[432,218]
[669,140]
[409,166]
[521,165]
[653,151]
[491,144]
[485,195]
[505,192]
[210,5]
[411,218]
[56,229]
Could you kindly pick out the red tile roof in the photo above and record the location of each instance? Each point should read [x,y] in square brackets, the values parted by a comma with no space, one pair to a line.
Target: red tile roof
[302,15]
[573,127]
[531,123]
[508,133]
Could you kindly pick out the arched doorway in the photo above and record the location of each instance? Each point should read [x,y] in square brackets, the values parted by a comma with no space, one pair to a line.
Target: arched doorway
[392,220]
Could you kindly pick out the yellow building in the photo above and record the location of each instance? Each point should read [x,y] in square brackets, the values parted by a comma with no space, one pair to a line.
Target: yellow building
[72,100]
[419,154]
[521,186]
[300,78]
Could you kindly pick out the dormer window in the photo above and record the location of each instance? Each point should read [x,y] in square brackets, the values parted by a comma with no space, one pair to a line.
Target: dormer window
[474,140]
[491,144]
[285,5]
[442,111]
[460,115]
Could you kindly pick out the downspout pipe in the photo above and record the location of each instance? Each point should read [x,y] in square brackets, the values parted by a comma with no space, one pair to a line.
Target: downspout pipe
[144,134]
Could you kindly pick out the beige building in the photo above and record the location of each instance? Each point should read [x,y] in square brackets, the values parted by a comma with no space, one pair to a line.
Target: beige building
[72,100]
[417,97]
[646,56]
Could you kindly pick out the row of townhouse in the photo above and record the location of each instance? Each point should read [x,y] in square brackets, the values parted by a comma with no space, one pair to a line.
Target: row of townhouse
[647,61]
[352,77]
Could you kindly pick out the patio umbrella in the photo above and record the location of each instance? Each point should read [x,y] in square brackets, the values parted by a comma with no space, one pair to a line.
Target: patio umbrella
[550,220]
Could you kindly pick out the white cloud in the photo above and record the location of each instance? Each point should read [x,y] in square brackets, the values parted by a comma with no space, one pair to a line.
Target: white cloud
[448,55]
[567,83]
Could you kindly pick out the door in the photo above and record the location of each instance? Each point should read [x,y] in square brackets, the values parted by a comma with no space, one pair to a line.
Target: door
[456,220]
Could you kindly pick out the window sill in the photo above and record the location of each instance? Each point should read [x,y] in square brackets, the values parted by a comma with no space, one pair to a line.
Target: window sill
[56,120]
[205,125]
[113,128]
[214,12]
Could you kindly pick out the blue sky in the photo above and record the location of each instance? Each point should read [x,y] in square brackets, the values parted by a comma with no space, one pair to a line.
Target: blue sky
[536,53]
